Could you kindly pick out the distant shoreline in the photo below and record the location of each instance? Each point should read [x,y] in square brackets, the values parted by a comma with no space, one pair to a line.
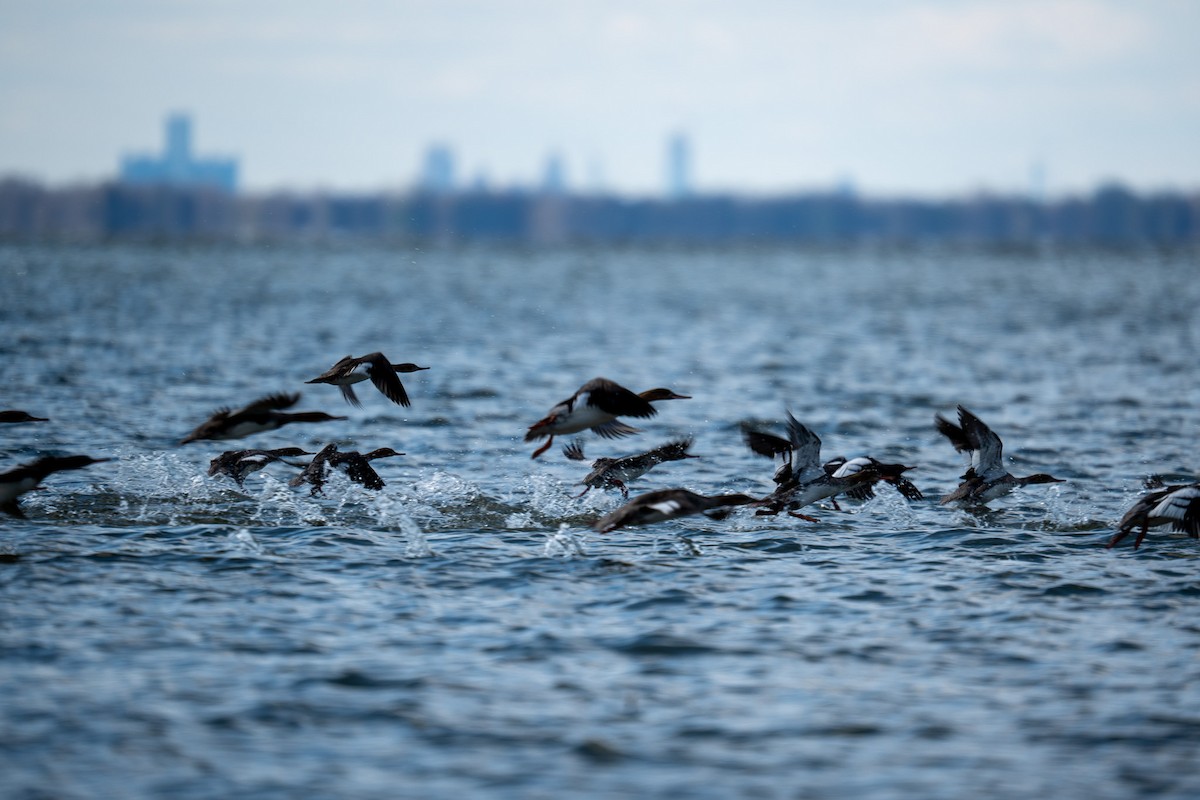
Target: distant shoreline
[1110,216]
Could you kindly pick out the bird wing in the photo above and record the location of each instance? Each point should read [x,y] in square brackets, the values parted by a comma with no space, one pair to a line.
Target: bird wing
[806,448]
[272,402]
[383,375]
[348,394]
[977,440]
[1182,508]
[314,470]
[671,451]
[612,398]
[767,444]
[359,470]
[574,451]
[843,468]
[615,430]
[907,489]
[987,451]
[952,432]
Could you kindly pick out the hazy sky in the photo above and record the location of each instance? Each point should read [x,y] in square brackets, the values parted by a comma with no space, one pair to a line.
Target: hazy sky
[925,97]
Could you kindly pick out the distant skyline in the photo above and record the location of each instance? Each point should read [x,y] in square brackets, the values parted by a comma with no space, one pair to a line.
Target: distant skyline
[927,97]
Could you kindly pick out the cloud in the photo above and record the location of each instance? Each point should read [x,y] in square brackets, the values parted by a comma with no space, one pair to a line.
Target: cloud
[772,91]
[1062,34]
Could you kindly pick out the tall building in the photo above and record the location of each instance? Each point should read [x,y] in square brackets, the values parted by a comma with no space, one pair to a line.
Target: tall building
[554,176]
[679,167]
[176,166]
[437,171]
[1037,182]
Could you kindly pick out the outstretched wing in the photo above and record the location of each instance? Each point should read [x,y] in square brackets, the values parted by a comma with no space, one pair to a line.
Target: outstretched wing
[383,375]
[767,444]
[612,398]
[574,451]
[976,439]
[806,448]
[272,402]
[987,451]
[1182,508]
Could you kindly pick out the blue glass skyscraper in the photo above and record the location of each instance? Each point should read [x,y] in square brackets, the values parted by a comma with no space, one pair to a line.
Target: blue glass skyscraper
[176,166]
[679,157]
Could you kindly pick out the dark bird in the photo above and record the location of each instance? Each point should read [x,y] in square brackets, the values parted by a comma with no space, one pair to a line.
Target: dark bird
[264,414]
[20,416]
[986,478]
[614,473]
[1177,506]
[19,480]
[238,464]
[357,467]
[374,367]
[892,474]
[597,405]
[803,479]
[667,504]
[769,445]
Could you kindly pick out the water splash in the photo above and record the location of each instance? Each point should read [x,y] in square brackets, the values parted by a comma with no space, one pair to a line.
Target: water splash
[565,542]
[392,512]
[244,542]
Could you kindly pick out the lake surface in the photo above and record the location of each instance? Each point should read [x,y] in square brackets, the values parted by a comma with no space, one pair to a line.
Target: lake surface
[463,633]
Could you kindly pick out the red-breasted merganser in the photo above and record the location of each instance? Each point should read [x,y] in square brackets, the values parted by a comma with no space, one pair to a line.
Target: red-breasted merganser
[374,367]
[1177,506]
[238,464]
[614,473]
[357,467]
[262,415]
[769,445]
[597,405]
[892,474]
[667,504]
[986,478]
[27,477]
[802,479]
[20,416]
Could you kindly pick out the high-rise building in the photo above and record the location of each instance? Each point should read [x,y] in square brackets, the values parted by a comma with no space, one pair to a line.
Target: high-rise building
[679,167]
[554,176]
[437,171]
[1037,182]
[176,166]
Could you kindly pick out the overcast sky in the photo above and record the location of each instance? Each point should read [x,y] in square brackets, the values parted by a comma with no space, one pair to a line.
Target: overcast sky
[928,97]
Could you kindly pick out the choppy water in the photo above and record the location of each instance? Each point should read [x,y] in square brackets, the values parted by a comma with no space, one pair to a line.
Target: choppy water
[462,633]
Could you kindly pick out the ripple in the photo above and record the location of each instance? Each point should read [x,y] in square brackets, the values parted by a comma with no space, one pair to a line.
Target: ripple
[167,633]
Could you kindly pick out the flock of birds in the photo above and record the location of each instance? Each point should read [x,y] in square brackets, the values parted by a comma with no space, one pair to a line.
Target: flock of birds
[801,480]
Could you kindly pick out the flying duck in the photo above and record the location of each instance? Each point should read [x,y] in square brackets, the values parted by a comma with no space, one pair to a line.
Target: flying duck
[27,477]
[986,478]
[769,445]
[264,414]
[803,479]
[667,504]
[374,367]
[1177,506]
[893,474]
[614,473]
[357,467]
[238,464]
[597,405]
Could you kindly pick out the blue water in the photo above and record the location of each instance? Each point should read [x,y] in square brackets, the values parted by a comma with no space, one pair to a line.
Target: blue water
[463,633]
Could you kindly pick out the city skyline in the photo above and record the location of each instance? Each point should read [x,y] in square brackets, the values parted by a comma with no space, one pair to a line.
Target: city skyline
[177,165]
[925,98]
